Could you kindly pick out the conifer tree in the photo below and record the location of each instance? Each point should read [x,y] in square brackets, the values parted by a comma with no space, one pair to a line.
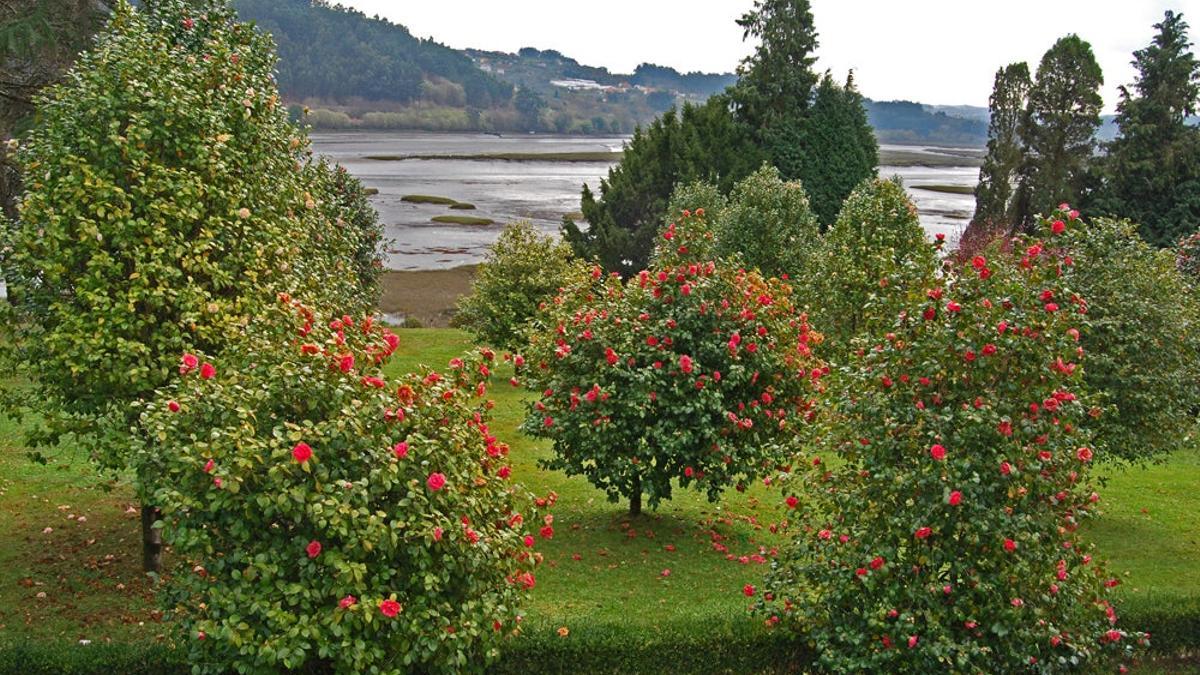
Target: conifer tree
[996,196]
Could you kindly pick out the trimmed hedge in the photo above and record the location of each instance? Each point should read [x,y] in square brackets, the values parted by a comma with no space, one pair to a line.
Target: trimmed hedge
[724,647]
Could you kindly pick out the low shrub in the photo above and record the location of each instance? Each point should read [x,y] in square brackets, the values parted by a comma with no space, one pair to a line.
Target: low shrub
[520,271]
[874,254]
[328,518]
[1142,339]
[689,373]
[943,536]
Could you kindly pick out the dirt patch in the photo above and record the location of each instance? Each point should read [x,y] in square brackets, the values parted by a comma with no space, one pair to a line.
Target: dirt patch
[425,295]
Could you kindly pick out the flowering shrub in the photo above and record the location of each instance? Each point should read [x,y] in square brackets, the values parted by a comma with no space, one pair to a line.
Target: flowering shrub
[766,223]
[1142,339]
[1187,257]
[944,536]
[874,253]
[167,201]
[328,517]
[523,268]
[688,372]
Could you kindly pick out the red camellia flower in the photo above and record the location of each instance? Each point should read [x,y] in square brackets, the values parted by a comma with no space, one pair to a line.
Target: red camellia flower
[912,641]
[389,608]
[877,562]
[528,541]
[923,532]
[792,501]
[748,591]
[302,452]
[207,371]
[1058,226]
[208,466]
[313,549]
[1005,468]
[1084,454]
[188,363]
[955,498]
[937,452]
[1010,545]
[400,450]
[436,481]
[346,363]
[348,602]
[173,406]
[685,363]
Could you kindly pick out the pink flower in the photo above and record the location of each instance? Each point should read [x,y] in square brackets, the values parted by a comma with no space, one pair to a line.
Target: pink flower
[207,371]
[188,363]
[923,532]
[937,452]
[302,452]
[346,363]
[685,363]
[1058,226]
[436,481]
[400,450]
[748,591]
[390,608]
[313,549]
[437,534]
[208,466]
[528,541]
[1084,454]
[1005,468]
[348,602]
[912,641]
[547,532]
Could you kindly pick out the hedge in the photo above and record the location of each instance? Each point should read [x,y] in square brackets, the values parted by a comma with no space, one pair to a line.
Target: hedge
[725,647]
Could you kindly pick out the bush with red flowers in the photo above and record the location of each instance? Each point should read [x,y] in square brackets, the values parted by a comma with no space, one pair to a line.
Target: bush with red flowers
[328,517]
[688,374]
[944,535]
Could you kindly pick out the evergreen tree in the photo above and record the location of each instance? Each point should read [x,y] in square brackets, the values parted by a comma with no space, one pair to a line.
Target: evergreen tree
[831,150]
[776,82]
[1060,127]
[702,142]
[996,197]
[529,105]
[1152,171]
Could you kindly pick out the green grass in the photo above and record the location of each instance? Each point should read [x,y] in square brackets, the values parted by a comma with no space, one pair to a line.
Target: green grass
[427,199]
[463,220]
[949,189]
[614,594]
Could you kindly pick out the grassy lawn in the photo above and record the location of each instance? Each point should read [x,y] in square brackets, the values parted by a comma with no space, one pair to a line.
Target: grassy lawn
[653,577]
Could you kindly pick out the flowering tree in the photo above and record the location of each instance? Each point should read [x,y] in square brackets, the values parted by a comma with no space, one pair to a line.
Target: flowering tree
[329,517]
[945,534]
[688,372]
[167,200]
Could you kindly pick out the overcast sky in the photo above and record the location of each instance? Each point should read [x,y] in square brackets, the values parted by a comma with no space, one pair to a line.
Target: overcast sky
[931,51]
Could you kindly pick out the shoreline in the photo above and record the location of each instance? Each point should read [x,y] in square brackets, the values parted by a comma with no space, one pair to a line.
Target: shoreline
[428,296]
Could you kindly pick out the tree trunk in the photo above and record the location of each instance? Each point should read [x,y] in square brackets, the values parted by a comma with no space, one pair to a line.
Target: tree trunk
[635,497]
[151,539]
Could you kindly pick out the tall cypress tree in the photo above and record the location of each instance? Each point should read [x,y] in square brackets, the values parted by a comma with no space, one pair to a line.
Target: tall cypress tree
[1060,126]
[996,197]
[776,82]
[831,150]
[1152,170]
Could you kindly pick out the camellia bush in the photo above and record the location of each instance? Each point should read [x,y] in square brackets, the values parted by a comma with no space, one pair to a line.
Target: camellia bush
[167,200]
[521,270]
[329,518]
[1142,339]
[689,373]
[940,511]
[874,253]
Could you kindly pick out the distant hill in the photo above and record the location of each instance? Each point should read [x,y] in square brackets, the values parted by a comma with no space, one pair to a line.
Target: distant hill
[362,71]
[334,53]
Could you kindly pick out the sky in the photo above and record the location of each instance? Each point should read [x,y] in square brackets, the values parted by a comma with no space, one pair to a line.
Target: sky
[932,51]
